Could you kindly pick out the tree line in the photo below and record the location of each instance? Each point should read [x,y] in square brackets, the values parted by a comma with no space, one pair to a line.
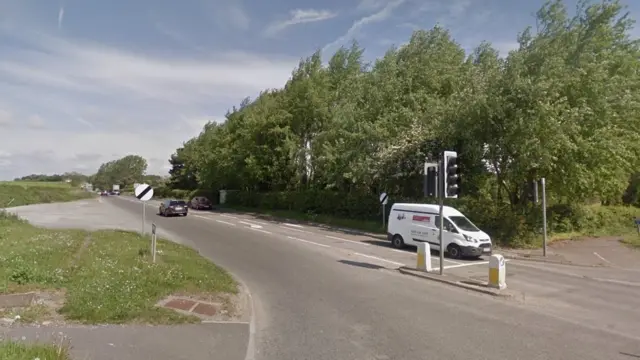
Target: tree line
[125,172]
[563,106]
[75,178]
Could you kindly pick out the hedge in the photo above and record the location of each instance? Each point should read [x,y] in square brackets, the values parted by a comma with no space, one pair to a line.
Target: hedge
[501,222]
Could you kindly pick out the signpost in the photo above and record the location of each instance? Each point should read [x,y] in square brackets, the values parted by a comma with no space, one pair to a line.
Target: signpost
[384,199]
[638,225]
[153,241]
[144,193]
[544,216]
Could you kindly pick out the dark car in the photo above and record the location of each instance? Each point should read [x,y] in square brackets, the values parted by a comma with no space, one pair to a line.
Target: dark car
[201,203]
[104,193]
[173,207]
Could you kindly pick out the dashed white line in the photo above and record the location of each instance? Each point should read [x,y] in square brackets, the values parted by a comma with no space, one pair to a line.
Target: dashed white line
[225,222]
[601,258]
[298,230]
[379,259]
[351,241]
[228,216]
[253,226]
[307,241]
[293,225]
[463,265]
[260,230]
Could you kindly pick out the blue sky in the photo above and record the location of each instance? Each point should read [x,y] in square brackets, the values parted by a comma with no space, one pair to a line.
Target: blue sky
[86,81]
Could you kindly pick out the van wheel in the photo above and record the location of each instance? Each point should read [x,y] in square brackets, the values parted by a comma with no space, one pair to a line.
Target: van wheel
[454,251]
[397,242]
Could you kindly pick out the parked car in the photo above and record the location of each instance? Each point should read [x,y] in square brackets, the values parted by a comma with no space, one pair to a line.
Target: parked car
[104,193]
[200,203]
[173,207]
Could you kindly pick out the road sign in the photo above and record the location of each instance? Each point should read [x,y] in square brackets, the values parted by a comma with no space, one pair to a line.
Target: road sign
[384,198]
[637,221]
[144,192]
[153,229]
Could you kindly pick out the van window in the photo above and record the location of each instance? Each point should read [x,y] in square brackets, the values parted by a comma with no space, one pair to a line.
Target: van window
[463,223]
[447,226]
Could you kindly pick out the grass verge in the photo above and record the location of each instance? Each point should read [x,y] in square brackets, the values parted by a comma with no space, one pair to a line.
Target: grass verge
[20,193]
[107,276]
[365,226]
[11,350]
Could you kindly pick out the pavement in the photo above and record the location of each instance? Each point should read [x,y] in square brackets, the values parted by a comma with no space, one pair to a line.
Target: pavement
[319,294]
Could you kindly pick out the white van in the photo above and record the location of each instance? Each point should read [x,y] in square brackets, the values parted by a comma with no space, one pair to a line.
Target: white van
[410,224]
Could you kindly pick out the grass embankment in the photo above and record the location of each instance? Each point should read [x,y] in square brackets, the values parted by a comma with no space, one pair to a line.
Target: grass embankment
[11,350]
[105,276]
[17,193]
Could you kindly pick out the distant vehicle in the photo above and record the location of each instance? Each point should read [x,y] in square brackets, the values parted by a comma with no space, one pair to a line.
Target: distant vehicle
[104,193]
[173,207]
[200,203]
[114,192]
[411,224]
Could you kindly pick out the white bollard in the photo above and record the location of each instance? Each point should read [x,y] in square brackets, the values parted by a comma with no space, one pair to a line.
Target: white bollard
[497,272]
[424,257]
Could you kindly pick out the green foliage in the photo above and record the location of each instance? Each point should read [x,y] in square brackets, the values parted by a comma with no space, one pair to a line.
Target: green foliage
[74,178]
[15,194]
[124,172]
[563,106]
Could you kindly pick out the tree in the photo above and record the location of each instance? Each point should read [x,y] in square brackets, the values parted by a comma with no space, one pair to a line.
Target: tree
[563,106]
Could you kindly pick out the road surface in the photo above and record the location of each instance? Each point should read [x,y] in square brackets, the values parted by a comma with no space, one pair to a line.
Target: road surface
[325,295]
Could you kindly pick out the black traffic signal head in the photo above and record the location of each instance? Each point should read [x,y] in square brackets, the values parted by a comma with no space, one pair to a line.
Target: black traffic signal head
[452,174]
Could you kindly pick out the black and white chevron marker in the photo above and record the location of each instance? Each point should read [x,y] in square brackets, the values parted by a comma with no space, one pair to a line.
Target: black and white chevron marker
[144,192]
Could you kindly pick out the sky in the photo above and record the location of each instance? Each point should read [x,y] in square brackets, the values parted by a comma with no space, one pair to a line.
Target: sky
[83,82]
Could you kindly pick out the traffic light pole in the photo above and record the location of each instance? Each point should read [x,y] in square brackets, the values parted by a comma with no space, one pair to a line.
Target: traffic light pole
[441,195]
[544,217]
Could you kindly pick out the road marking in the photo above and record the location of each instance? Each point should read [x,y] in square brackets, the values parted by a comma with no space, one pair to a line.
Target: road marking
[307,241]
[379,259]
[467,264]
[228,216]
[298,230]
[260,230]
[225,222]
[293,225]
[253,226]
[351,241]
[601,258]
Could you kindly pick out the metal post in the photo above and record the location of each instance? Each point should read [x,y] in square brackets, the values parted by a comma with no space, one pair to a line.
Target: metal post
[144,215]
[544,217]
[383,215]
[153,246]
[441,193]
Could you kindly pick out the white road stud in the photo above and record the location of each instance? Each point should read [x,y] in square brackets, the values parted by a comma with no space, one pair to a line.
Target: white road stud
[497,272]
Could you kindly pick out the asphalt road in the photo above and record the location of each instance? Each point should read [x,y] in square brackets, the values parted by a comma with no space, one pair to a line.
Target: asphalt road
[323,300]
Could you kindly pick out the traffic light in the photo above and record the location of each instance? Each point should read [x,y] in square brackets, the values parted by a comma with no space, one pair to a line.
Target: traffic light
[431,185]
[532,194]
[451,174]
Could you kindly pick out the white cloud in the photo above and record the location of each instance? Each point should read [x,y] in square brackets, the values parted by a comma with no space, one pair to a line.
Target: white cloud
[93,68]
[35,122]
[109,102]
[238,17]
[299,16]
[379,16]
[6,119]
[60,17]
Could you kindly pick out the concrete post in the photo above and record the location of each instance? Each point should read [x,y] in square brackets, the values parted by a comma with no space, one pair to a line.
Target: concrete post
[497,272]
[424,257]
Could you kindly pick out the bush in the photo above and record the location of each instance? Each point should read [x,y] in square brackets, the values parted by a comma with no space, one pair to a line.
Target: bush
[506,226]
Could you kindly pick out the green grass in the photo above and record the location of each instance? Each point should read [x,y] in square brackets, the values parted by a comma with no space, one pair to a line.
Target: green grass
[12,350]
[365,226]
[632,240]
[107,276]
[17,193]
[27,184]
